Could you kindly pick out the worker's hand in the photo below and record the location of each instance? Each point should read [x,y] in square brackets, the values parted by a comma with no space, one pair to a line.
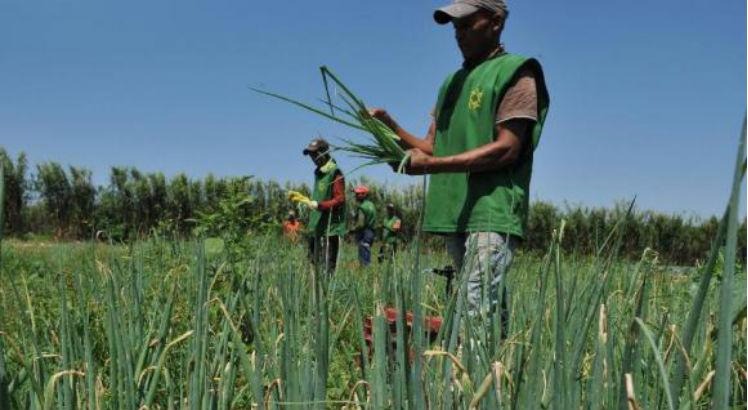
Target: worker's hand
[419,162]
[298,197]
[312,204]
[400,167]
[382,115]
[394,165]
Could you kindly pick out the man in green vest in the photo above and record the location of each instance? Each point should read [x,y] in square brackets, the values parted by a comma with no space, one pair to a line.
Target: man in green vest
[366,216]
[391,226]
[479,150]
[327,207]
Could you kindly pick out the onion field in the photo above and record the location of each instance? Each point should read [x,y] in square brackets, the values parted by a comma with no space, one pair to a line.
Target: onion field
[169,324]
[248,322]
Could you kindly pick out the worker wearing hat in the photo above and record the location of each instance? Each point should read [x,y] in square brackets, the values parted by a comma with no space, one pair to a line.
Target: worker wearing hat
[365,219]
[391,226]
[327,216]
[485,126]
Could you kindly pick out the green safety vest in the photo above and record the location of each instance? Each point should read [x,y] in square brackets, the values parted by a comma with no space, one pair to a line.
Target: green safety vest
[492,201]
[319,221]
[366,207]
[389,235]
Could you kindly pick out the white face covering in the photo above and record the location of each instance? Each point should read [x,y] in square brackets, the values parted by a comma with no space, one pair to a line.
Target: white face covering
[329,166]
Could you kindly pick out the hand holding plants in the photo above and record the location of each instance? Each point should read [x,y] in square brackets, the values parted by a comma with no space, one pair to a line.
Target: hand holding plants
[382,115]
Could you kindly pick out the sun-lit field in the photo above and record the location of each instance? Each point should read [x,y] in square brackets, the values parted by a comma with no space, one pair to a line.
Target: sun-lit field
[244,320]
[542,212]
[173,324]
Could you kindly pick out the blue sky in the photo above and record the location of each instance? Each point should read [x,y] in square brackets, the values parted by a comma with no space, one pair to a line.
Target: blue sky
[647,98]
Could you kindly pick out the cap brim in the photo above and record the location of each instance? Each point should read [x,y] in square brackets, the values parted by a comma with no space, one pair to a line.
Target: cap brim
[454,11]
[308,150]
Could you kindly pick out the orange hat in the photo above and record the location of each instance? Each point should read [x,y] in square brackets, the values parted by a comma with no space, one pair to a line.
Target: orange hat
[361,190]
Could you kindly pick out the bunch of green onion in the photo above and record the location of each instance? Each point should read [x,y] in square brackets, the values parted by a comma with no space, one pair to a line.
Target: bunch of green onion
[383,145]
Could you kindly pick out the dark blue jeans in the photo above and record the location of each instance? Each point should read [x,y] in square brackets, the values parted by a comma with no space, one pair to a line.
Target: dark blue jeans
[364,239]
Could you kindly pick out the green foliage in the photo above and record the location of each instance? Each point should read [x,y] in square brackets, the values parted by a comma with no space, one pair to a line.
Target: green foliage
[16,191]
[166,326]
[83,197]
[229,222]
[135,205]
[678,241]
[155,324]
[54,188]
[229,217]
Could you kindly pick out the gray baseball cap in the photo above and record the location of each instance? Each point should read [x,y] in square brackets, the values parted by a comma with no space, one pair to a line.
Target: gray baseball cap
[317,145]
[464,8]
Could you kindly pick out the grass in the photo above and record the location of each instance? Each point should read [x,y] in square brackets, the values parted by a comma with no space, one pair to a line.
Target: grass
[162,324]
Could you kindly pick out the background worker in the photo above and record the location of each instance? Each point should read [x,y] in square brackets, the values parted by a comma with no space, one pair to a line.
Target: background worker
[391,226]
[365,219]
[292,226]
[479,149]
[327,216]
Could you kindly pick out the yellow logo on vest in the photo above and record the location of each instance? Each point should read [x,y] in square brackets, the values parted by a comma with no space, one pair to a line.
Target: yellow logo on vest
[475,100]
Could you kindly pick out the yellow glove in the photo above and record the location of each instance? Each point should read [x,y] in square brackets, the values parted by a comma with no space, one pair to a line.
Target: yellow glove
[302,199]
[297,196]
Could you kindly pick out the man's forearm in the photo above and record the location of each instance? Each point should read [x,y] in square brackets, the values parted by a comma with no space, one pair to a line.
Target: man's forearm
[503,152]
[409,141]
[485,158]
